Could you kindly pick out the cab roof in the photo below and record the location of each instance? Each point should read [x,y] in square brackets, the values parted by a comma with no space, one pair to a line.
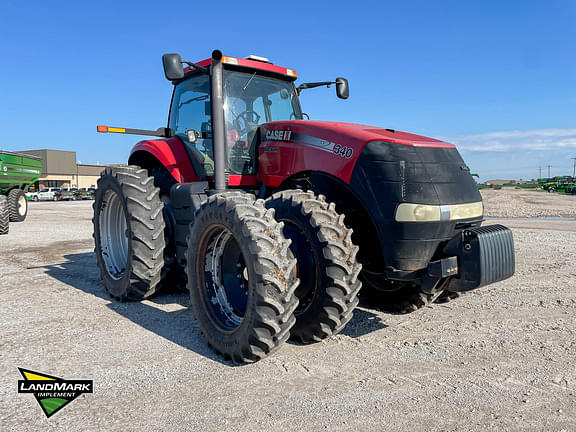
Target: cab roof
[243,63]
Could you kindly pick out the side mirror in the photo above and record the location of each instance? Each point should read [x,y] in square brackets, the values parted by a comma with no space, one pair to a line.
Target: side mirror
[173,69]
[342,89]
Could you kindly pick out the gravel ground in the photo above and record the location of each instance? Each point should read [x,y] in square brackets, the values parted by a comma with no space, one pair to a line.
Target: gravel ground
[516,203]
[499,358]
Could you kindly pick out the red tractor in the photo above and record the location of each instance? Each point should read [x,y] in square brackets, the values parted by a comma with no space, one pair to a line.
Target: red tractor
[273,222]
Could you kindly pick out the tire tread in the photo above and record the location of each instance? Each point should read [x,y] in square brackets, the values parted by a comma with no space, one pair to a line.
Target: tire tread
[274,283]
[4,216]
[146,222]
[341,270]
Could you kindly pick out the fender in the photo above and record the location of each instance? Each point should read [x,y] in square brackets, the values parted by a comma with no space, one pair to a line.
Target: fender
[172,154]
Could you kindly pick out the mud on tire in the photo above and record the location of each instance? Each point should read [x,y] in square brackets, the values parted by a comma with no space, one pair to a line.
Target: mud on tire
[241,277]
[18,206]
[129,232]
[327,266]
[4,216]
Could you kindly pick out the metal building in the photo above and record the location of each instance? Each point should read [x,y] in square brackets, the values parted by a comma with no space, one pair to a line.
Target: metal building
[60,169]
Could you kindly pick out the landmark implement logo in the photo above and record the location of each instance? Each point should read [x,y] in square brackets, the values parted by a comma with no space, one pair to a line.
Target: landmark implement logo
[52,393]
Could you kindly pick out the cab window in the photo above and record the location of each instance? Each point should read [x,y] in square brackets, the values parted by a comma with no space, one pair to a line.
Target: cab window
[250,100]
[191,111]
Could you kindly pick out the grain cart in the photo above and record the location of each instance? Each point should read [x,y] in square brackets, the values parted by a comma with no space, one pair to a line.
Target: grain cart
[274,221]
[17,172]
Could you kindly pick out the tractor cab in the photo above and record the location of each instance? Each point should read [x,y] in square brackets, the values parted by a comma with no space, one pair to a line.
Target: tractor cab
[219,103]
[254,92]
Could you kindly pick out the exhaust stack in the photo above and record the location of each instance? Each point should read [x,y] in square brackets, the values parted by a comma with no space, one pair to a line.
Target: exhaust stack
[218,136]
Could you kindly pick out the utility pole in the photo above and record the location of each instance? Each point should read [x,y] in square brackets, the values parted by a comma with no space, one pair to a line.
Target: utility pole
[549,166]
[574,172]
[539,172]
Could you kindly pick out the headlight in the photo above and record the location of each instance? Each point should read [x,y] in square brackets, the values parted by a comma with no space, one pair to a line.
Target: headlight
[466,211]
[418,213]
[407,212]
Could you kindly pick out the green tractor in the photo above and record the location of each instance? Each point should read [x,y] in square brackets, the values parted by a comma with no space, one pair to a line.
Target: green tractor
[17,172]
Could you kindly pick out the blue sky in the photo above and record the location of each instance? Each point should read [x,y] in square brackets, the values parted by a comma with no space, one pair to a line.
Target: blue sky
[498,78]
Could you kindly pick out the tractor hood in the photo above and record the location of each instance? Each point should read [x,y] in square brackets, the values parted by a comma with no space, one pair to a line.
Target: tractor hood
[338,131]
[288,147]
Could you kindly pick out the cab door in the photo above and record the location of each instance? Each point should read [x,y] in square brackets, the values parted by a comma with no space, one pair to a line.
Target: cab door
[190,110]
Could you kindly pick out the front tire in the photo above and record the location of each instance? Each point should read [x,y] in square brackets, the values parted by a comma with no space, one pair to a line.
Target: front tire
[18,205]
[327,266]
[241,277]
[129,232]
[4,216]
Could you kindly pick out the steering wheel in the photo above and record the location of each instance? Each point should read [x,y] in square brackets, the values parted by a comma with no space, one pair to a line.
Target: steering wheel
[244,120]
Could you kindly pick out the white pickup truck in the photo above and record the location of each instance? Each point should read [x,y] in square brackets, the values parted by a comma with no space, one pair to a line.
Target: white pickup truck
[49,194]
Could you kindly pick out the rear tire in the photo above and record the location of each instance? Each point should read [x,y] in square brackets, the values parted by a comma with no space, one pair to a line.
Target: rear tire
[241,277]
[4,216]
[129,232]
[18,205]
[327,266]
[174,274]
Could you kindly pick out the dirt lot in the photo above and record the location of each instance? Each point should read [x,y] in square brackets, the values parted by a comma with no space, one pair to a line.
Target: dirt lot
[500,358]
[528,203]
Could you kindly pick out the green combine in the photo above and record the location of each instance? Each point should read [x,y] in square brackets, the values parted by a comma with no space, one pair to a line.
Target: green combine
[17,172]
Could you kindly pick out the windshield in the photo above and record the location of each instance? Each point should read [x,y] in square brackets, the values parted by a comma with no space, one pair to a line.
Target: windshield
[249,101]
